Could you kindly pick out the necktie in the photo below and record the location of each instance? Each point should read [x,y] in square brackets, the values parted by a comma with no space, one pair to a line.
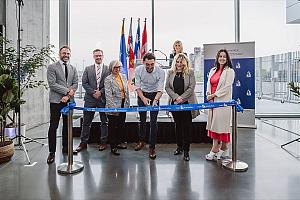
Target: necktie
[66,71]
[98,76]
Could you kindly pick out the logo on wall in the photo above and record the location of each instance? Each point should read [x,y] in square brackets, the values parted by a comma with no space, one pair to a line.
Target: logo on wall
[248,93]
[238,83]
[248,74]
[238,65]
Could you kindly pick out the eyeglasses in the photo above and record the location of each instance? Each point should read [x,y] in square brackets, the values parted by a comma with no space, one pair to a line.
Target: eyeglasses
[117,67]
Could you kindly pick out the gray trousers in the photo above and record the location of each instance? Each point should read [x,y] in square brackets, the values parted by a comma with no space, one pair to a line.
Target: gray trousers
[87,121]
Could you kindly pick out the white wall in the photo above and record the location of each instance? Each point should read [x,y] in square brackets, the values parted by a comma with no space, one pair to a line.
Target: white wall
[35,22]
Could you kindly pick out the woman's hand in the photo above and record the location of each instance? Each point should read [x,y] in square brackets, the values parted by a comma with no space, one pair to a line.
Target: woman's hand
[179,100]
[210,97]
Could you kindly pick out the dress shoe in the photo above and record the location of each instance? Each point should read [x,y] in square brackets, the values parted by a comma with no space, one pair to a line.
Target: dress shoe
[51,158]
[102,147]
[121,146]
[186,156]
[139,146]
[152,153]
[115,151]
[81,147]
[178,151]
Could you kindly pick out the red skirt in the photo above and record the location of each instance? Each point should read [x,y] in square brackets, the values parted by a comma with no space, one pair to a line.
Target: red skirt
[223,137]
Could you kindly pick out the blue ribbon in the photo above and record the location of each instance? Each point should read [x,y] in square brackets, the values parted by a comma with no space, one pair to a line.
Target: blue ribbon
[180,107]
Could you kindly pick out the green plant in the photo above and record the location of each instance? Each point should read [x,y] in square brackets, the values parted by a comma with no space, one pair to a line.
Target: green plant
[31,60]
[8,97]
[295,88]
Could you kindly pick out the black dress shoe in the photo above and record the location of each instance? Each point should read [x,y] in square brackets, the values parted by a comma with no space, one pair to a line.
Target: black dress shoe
[186,156]
[115,151]
[51,158]
[81,147]
[178,151]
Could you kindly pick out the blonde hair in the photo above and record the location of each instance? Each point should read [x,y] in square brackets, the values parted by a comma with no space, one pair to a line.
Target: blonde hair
[180,44]
[113,63]
[185,61]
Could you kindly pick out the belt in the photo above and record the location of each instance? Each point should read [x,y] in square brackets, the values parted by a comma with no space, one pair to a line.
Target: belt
[149,93]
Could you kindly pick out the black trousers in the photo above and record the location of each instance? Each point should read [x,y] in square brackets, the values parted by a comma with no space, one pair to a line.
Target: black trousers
[54,122]
[183,121]
[116,127]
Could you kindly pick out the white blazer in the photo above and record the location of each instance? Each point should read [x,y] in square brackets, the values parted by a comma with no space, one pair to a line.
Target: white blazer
[219,118]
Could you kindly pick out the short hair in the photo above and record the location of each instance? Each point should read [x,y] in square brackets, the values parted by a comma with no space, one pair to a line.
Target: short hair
[149,56]
[64,47]
[112,64]
[98,50]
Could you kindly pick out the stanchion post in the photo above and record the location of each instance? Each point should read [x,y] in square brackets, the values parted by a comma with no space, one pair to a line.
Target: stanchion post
[71,167]
[234,164]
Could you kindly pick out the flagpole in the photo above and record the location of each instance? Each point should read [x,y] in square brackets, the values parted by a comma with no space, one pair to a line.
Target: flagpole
[153,26]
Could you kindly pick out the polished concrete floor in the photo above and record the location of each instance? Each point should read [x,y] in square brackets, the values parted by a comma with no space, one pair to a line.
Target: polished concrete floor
[273,173]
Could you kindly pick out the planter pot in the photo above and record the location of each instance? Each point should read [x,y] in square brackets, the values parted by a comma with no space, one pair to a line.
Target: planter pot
[13,131]
[6,151]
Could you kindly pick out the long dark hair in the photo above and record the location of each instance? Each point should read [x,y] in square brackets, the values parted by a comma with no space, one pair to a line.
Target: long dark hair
[228,60]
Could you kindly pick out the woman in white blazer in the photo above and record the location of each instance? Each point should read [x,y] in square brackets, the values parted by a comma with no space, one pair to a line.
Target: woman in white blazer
[180,86]
[219,89]
[117,96]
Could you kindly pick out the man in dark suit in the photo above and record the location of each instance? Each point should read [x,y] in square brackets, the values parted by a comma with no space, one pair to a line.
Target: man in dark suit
[93,83]
[63,82]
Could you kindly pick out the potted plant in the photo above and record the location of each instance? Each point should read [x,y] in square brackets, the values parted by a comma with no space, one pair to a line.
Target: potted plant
[8,101]
[31,60]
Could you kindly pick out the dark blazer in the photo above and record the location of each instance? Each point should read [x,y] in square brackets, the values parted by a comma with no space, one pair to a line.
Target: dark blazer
[57,82]
[89,83]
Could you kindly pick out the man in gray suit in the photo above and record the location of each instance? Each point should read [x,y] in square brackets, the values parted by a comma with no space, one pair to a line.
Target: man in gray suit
[93,83]
[63,82]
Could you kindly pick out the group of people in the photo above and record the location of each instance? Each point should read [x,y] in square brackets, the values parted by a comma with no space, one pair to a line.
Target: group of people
[106,87]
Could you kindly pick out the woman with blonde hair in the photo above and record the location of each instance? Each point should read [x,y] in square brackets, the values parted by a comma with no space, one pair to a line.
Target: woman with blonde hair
[117,96]
[180,85]
[177,48]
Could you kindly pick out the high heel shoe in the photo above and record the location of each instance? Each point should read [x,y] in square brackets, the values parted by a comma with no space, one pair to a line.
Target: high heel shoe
[210,156]
[186,156]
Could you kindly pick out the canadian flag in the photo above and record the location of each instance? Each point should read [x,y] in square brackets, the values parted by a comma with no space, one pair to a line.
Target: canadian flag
[144,48]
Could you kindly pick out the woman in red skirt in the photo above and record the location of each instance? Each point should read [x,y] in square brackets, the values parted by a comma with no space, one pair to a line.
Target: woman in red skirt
[219,89]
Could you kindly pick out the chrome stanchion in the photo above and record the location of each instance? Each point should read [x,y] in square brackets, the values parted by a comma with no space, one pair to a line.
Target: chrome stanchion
[71,167]
[234,164]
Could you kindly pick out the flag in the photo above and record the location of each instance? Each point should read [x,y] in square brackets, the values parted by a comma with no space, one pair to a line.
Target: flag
[137,44]
[123,55]
[130,53]
[144,48]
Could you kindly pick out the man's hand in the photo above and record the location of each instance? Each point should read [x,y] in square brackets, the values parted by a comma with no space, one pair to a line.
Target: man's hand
[71,93]
[146,101]
[179,100]
[97,94]
[65,99]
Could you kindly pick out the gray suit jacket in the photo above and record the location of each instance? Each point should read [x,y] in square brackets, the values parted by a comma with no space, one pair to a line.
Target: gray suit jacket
[89,83]
[58,85]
